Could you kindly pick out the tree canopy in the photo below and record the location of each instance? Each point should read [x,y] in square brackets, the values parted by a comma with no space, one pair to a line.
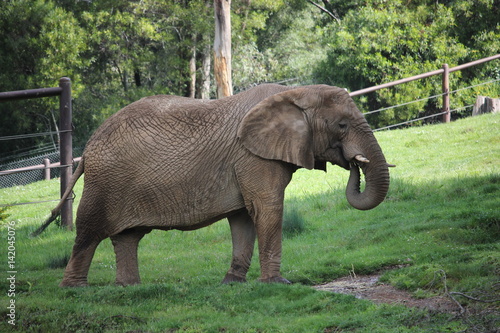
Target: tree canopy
[116,51]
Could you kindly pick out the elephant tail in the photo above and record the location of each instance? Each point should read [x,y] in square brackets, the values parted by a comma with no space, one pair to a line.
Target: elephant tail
[57,211]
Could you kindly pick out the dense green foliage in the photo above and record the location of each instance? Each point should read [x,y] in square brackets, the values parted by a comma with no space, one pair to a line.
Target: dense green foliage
[118,51]
[440,219]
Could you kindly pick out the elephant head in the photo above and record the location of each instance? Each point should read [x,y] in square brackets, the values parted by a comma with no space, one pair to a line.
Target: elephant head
[312,125]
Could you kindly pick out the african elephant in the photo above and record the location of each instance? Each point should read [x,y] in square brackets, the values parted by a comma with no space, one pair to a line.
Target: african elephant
[167,162]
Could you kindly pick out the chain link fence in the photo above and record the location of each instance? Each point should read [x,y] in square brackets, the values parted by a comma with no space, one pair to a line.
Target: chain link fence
[27,177]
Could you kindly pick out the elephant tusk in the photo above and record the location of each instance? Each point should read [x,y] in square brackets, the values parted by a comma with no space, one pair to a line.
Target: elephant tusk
[362,159]
[391,165]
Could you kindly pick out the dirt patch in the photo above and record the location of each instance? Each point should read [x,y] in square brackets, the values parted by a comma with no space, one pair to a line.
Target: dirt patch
[369,287]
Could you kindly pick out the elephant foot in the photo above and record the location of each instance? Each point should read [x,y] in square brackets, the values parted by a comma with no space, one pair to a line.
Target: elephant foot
[275,279]
[229,278]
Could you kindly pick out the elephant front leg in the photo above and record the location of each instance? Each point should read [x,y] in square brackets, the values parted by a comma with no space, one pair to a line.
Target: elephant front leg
[243,238]
[125,245]
[263,186]
[268,222]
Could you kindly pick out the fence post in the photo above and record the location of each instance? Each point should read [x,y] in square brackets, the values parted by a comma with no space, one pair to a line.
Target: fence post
[66,149]
[446,93]
[46,171]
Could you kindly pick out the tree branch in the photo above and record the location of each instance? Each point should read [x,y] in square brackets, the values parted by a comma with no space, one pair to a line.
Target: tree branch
[324,10]
[474,298]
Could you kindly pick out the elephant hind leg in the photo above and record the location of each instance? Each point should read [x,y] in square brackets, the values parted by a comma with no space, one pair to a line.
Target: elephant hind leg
[243,238]
[76,272]
[125,245]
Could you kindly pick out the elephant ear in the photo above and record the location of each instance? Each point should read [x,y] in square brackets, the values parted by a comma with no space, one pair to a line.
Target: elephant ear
[277,129]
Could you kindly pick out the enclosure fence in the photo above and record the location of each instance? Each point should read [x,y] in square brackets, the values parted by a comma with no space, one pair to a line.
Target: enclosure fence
[29,170]
[445,72]
[424,99]
[65,134]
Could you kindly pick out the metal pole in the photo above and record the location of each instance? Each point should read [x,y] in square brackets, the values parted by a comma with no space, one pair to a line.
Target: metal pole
[446,93]
[66,149]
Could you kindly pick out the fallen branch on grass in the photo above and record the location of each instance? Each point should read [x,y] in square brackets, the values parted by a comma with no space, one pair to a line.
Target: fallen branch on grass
[474,298]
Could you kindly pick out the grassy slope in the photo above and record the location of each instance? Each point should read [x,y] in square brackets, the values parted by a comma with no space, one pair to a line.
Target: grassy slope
[440,219]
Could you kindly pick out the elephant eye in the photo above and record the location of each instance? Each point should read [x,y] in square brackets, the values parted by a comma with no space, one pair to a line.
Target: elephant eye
[342,126]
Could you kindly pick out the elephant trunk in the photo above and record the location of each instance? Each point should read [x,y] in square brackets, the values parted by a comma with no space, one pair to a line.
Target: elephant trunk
[375,169]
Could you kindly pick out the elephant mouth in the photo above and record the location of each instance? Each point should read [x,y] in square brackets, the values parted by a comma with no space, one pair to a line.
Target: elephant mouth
[362,162]
[335,155]
[359,161]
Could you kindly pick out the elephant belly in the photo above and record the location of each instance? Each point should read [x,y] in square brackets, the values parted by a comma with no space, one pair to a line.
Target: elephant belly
[177,207]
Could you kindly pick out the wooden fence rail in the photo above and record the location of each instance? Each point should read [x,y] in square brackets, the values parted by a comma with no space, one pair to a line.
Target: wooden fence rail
[445,71]
[46,166]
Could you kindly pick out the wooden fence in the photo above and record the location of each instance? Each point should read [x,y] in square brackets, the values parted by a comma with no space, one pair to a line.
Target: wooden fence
[65,130]
[445,72]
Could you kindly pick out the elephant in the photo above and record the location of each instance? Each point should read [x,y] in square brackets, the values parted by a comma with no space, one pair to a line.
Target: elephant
[169,162]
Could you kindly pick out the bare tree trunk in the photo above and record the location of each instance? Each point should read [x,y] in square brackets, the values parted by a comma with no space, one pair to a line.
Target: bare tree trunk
[192,71]
[205,73]
[222,48]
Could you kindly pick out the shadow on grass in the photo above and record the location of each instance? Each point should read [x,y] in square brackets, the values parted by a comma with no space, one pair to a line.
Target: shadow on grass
[450,223]
[469,203]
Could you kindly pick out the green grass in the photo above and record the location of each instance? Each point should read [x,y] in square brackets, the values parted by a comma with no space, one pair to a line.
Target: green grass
[440,225]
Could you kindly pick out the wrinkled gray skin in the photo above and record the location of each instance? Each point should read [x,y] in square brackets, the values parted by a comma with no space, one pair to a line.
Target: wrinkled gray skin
[167,162]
